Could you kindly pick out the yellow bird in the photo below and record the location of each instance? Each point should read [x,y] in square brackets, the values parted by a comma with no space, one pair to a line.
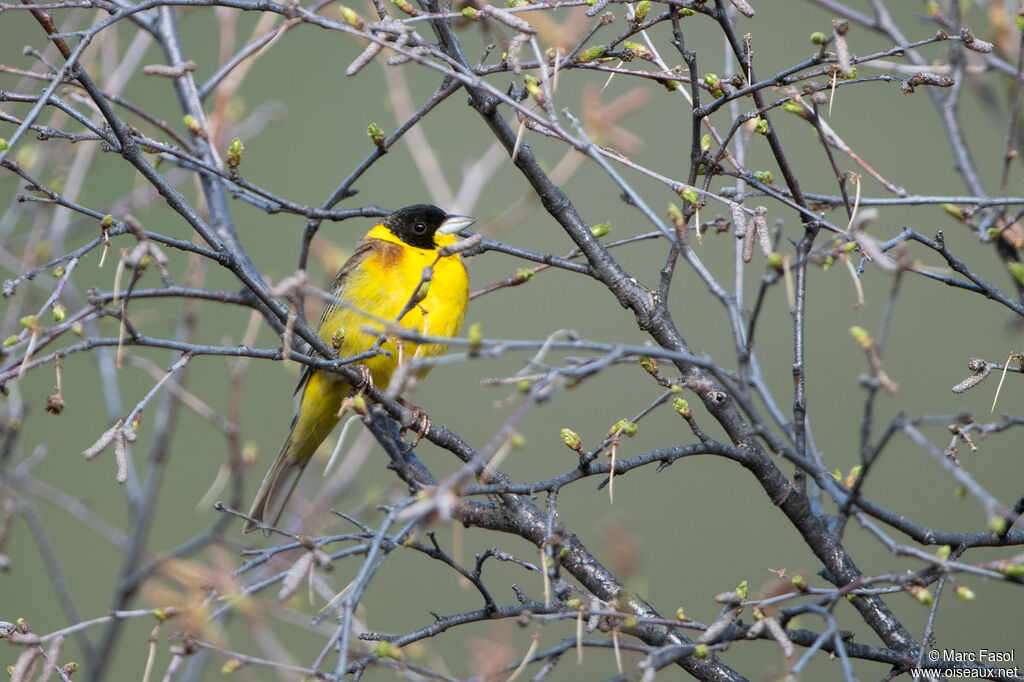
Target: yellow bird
[380,281]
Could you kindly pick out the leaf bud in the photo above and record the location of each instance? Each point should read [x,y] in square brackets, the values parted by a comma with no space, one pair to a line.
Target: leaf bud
[570,438]
[682,407]
[235,153]
[376,134]
[351,17]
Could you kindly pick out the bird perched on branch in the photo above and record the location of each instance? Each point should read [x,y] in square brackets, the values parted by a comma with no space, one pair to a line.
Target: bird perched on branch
[382,282]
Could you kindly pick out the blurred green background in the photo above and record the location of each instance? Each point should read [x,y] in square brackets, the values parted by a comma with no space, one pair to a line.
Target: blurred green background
[680,536]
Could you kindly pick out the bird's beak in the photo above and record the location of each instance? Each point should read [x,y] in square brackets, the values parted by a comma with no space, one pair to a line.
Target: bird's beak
[454,224]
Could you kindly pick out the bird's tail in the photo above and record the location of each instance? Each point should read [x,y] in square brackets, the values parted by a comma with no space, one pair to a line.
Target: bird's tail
[278,485]
[318,414]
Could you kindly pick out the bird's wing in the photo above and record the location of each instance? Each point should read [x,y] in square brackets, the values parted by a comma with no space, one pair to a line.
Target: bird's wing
[337,288]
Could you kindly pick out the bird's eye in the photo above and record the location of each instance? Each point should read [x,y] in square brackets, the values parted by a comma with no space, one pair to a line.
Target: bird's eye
[420,228]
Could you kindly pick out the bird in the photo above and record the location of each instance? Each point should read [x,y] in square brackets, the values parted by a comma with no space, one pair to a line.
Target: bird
[384,281]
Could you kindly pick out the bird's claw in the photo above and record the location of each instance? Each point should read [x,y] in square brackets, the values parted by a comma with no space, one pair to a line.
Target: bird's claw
[367,379]
[422,420]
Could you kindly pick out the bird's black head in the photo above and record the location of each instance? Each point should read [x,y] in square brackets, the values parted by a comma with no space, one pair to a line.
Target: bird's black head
[416,225]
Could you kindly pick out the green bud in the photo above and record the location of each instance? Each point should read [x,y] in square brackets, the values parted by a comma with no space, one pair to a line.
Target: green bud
[630,622]
[764,177]
[523,274]
[590,54]
[524,385]
[518,441]
[960,491]
[992,233]
[830,260]
[570,438]
[376,134]
[230,666]
[406,7]
[29,322]
[351,17]
[575,603]
[338,337]
[107,222]
[922,594]
[711,79]
[59,271]
[1016,271]
[59,313]
[997,524]
[601,229]
[193,125]
[682,407]
[799,583]
[533,87]
[742,590]
[642,8]
[10,340]
[3,145]
[943,552]
[387,650]
[650,365]
[761,126]
[617,427]
[630,429]
[817,38]
[1020,23]
[77,329]
[700,651]
[476,334]
[235,153]
[564,552]
[675,215]
[705,142]
[953,210]
[861,336]
[359,403]
[675,388]
[689,194]
[793,107]
[680,614]
[964,593]
[469,13]
[687,12]
[421,291]
[851,478]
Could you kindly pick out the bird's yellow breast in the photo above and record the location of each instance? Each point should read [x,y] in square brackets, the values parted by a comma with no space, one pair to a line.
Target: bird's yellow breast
[373,295]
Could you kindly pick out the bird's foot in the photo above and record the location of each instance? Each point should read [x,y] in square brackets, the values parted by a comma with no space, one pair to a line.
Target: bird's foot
[422,422]
[367,379]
